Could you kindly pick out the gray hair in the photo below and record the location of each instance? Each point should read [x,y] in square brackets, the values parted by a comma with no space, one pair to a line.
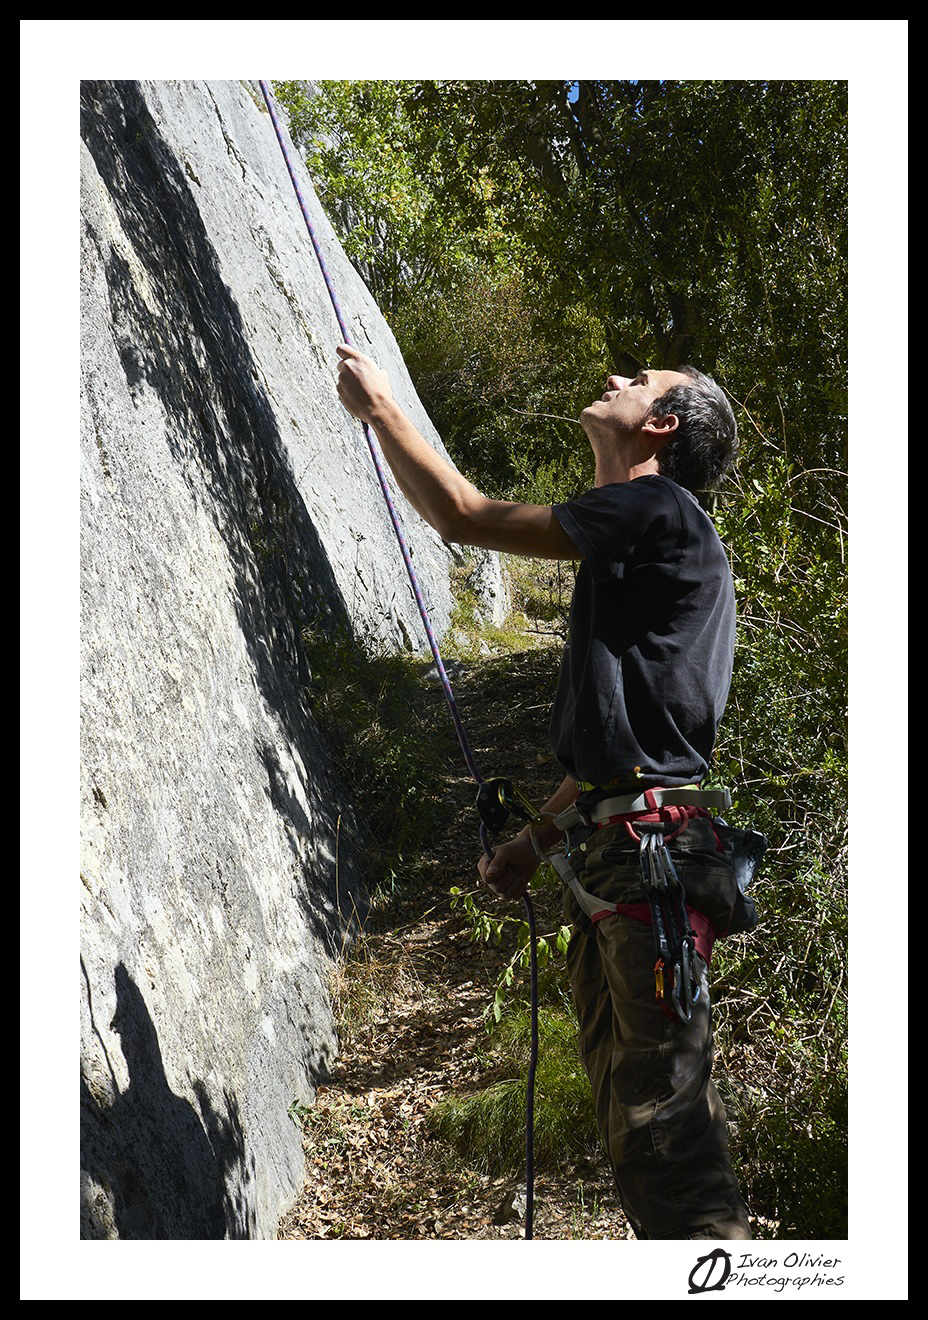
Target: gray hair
[705,443]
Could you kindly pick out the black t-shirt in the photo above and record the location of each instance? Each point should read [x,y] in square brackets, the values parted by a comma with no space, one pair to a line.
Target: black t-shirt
[647,668]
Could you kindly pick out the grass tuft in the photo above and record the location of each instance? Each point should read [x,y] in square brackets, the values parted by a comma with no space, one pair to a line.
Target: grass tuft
[487,1129]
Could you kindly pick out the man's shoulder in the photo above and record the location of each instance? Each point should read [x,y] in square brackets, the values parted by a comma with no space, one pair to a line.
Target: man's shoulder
[693,515]
[643,496]
[613,523]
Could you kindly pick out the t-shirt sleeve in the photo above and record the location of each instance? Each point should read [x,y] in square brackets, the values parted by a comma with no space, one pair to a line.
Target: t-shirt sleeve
[607,524]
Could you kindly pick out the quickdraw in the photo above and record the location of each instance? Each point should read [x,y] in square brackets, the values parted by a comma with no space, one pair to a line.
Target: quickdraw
[674,938]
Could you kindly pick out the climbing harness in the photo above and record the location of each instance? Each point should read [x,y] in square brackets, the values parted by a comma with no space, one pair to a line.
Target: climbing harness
[652,819]
[496,798]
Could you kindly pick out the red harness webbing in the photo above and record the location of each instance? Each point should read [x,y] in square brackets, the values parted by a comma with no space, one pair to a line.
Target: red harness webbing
[703,929]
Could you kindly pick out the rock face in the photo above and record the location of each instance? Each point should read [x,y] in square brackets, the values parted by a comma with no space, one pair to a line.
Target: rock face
[228,503]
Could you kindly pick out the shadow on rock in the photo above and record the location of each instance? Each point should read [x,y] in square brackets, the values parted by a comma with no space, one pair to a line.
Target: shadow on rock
[165,1169]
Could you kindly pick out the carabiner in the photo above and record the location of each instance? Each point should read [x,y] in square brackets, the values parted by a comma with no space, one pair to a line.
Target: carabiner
[685,986]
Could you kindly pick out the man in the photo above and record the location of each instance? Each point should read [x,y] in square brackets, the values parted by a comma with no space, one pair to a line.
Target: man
[643,685]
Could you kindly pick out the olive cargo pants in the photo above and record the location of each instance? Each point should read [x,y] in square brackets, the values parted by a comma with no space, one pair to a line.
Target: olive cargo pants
[659,1114]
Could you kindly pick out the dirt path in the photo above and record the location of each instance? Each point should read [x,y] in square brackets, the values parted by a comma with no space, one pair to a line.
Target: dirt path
[415,1031]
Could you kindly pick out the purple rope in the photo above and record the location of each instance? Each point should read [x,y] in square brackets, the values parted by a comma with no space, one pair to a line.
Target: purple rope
[378,463]
[433,644]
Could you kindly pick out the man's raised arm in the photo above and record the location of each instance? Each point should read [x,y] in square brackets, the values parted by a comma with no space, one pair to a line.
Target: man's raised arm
[436,490]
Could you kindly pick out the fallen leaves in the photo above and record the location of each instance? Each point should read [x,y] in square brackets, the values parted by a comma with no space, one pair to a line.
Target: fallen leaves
[412,1003]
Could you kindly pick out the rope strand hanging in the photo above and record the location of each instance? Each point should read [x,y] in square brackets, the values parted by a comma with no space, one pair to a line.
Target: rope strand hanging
[433,645]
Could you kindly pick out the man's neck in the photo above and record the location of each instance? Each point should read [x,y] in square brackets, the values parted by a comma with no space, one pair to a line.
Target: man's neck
[619,467]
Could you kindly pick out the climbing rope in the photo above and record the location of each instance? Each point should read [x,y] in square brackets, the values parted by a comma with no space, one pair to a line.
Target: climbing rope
[443,676]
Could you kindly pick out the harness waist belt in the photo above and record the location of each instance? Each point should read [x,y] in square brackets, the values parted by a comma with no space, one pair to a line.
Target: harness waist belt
[652,799]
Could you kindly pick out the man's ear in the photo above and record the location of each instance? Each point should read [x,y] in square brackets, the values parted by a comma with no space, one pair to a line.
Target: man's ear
[662,428]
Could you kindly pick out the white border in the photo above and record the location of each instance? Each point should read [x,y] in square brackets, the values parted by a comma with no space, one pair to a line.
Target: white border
[55,55]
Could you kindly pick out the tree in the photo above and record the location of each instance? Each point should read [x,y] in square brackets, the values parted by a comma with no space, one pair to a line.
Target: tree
[527,238]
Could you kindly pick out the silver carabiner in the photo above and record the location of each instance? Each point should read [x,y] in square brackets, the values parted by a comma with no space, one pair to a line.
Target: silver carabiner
[686,988]
[684,1014]
[652,868]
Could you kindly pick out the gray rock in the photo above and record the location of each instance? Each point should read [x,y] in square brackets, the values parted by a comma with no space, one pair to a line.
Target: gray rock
[228,503]
[488,582]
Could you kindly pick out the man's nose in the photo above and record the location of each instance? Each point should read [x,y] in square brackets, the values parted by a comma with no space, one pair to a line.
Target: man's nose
[618,382]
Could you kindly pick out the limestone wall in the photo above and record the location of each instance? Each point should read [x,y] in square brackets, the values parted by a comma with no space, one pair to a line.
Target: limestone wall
[227,502]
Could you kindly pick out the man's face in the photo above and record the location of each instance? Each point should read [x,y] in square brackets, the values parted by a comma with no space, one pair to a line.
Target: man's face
[626,403]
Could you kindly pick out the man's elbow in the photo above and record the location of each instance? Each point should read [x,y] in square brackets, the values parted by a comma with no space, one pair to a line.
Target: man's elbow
[458,521]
